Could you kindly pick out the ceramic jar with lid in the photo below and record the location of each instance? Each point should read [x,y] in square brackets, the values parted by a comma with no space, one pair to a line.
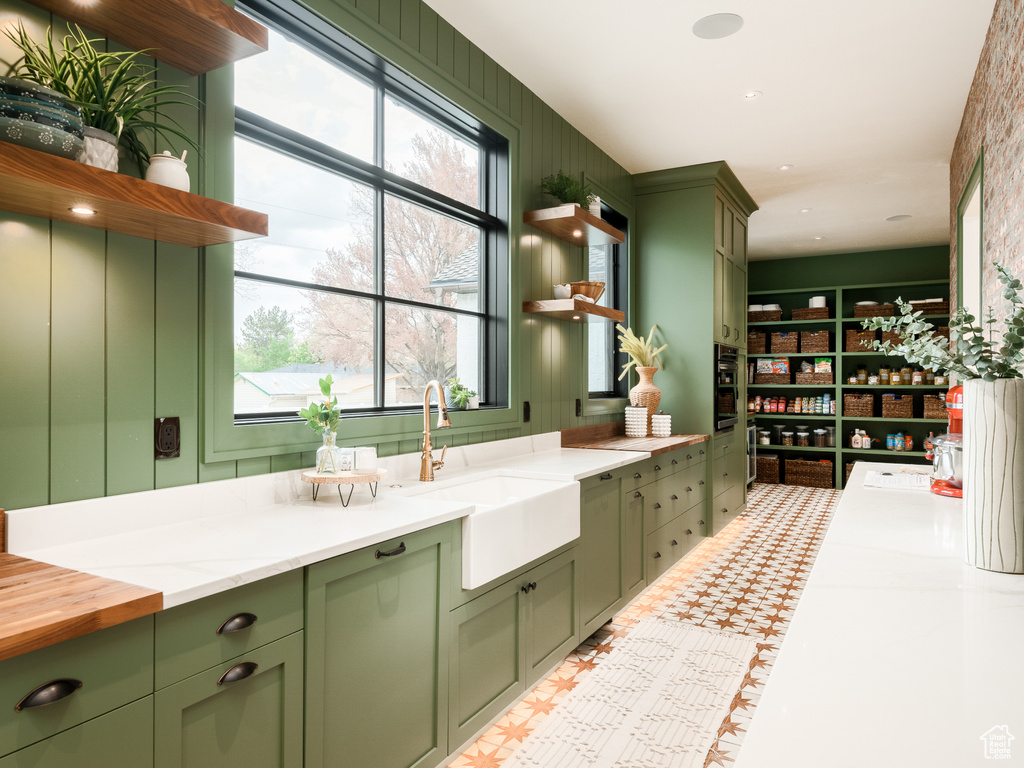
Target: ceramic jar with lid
[169,171]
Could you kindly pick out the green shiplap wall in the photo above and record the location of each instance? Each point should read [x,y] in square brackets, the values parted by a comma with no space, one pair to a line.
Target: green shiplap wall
[100,333]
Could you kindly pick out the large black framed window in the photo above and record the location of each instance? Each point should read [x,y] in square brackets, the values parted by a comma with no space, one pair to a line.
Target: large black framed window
[387,260]
[607,264]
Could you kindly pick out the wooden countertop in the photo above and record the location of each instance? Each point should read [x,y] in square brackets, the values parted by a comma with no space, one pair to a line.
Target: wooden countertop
[612,437]
[42,604]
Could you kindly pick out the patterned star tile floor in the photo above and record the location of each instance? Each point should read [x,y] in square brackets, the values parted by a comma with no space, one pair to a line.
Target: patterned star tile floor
[746,580]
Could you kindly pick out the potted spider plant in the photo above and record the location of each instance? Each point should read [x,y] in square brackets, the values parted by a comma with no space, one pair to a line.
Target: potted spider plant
[116,92]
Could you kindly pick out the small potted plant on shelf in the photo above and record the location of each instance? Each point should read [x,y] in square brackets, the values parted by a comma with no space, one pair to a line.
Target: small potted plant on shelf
[993,423]
[461,396]
[117,94]
[323,420]
[568,189]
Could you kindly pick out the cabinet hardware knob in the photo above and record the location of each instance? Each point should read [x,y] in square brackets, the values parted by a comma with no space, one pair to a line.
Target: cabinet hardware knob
[240,671]
[657,468]
[689,532]
[657,506]
[237,622]
[527,587]
[390,553]
[656,555]
[701,483]
[675,543]
[689,489]
[725,510]
[676,498]
[701,522]
[606,476]
[725,474]
[689,457]
[674,462]
[48,693]
[638,495]
[701,451]
[637,476]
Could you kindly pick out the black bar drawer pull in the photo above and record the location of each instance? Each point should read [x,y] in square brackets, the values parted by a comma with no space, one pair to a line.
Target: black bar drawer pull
[391,552]
[240,671]
[48,693]
[237,622]
[606,476]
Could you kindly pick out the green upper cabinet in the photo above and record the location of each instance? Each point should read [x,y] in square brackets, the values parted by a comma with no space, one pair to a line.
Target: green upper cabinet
[730,273]
[376,654]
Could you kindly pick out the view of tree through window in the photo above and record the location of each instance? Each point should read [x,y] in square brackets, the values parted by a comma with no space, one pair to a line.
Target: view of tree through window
[365,275]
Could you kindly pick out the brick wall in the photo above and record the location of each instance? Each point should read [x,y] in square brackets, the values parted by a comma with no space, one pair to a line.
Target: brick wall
[994,119]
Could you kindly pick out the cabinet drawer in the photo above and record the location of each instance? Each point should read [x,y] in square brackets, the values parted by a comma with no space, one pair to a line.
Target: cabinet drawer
[207,632]
[725,444]
[725,475]
[676,461]
[692,528]
[638,474]
[114,667]
[726,507]
[664,548]
[690,486]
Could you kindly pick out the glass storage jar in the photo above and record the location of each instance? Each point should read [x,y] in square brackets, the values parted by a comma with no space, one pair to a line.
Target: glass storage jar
[803,439]
[787,438]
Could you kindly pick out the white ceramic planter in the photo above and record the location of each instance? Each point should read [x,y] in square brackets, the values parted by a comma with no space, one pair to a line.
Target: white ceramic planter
[99,149]
[994,474]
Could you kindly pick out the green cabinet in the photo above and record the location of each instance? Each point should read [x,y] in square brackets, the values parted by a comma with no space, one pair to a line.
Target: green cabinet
[506,639]
[119,739]
[376,670]
[244,713]
[730,281]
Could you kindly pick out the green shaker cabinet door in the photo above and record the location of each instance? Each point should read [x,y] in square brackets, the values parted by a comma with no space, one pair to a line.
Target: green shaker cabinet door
[737,303]
[601,575]
[376,664]
[722,332]
[550,622]
[633,576]
[119,739]
[244,713]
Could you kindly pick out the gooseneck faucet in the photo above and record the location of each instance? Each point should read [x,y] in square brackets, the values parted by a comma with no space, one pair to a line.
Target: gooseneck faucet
[427,463]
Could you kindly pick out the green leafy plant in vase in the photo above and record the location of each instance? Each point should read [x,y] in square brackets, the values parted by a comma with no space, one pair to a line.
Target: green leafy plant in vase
[568,189]
[990,364]
[323,420]
[115,91]
[460,395]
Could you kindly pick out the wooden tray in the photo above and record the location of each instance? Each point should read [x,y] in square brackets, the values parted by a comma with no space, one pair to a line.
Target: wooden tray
[344,478]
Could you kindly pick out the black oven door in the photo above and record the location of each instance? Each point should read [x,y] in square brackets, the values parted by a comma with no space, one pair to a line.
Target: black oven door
[727,387]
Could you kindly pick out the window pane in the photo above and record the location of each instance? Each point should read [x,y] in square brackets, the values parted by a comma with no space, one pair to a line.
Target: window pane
[429,257]
[420,151]
[600,336]
[423,344]
[287,339]
[295,88]
[321,223]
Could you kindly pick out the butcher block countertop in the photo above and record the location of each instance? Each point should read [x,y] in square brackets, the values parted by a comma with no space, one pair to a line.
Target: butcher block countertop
[43,604]
[612,437]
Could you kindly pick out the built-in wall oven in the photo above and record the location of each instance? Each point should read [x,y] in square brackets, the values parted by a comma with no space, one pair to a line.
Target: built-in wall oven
[727,387]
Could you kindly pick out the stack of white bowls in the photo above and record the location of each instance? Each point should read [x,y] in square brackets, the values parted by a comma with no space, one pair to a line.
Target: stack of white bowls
[636,422]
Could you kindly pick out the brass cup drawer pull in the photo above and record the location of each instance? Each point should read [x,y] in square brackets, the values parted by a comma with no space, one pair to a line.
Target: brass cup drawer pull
[240,671]
[237,623]
[49,693]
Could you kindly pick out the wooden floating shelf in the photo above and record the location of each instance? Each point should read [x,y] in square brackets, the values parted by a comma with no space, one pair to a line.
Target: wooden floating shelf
[193,35]
[565,220]
[573,310]
[37,184]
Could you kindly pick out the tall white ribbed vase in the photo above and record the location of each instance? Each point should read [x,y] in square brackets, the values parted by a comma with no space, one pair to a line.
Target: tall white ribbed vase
[994,474]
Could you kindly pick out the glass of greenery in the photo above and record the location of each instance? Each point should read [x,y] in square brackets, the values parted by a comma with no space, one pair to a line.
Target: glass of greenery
[115,91]
[323,419]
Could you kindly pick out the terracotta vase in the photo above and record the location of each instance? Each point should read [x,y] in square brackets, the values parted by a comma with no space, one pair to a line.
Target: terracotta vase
[993,474]
[645,394]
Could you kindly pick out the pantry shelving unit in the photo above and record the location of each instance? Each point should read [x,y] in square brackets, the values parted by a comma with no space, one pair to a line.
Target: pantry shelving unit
[841,300]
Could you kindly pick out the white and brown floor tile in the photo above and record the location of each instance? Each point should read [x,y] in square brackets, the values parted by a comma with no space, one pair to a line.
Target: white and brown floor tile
[747,580]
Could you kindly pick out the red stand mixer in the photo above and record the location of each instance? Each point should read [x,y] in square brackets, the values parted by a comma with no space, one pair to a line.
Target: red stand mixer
[947,451]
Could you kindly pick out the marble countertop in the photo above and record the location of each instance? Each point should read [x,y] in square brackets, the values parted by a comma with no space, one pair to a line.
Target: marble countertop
[899,653]
[197,540]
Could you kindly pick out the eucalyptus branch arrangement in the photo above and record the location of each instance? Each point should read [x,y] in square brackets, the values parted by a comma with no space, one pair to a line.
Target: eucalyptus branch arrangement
[973,351]
[568,189]
[116,91]
[320,417]
[642,353]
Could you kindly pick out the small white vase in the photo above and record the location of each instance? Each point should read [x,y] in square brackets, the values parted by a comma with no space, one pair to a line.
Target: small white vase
[99,149]
[994,474]
[169,171]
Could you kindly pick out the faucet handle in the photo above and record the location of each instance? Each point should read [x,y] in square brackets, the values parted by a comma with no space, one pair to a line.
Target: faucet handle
[440,462]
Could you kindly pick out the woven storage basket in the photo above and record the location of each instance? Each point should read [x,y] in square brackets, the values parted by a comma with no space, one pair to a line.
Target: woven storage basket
[897,406]
[934,407]
[770,315]
[849,469]
[859,405]
[785,342]
[878,310]
[815,341]
[726,404]
[814,378]
[943,331]
[811,474]
[892,336]
[811,313]
[860,341]
[757,343]
[768,470]
[933,308]
[771,378]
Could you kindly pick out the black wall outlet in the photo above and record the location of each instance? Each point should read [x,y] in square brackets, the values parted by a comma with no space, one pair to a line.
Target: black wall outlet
[167,437]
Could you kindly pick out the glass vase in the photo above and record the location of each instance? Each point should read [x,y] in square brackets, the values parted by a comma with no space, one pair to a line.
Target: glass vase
[328,455]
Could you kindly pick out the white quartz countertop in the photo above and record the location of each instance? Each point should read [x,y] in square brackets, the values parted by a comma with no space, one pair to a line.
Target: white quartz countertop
[899,653]
[194,541]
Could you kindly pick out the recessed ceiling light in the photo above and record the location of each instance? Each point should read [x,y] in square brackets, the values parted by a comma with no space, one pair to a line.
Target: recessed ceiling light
[806,210]
[82,210]
[751,95]
[786,167]
[717,26]
[900,217]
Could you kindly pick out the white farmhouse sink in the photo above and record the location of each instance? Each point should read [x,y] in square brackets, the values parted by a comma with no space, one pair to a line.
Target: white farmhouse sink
[515,520]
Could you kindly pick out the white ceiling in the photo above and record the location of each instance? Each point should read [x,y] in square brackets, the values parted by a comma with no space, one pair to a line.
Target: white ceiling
[863,98]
